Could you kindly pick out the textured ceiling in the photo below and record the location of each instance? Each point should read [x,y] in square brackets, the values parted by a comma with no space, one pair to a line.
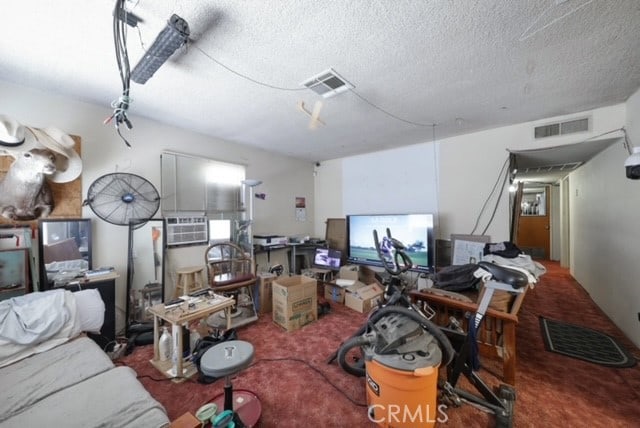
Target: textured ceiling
[464,65]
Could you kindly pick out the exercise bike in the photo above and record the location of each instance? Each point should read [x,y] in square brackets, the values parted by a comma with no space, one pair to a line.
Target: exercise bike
[396,262]
[376,339]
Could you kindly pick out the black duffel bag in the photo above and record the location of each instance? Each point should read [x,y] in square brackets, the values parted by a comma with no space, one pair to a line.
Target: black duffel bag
[457,278]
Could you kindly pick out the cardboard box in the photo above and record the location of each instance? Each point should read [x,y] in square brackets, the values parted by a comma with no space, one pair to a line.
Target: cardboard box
[295,301]
[367,275]
[187,420]
[364,298]
[264,302]
[336,294]
[349,272]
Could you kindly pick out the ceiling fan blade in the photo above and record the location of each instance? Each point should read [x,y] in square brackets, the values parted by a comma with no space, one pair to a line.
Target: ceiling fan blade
[315,115]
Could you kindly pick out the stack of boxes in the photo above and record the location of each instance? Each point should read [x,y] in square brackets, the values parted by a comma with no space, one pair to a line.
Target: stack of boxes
[294,299]
[351,290]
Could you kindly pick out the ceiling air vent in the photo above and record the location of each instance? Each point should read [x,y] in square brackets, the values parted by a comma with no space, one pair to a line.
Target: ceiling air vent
[561,128]
[328,83]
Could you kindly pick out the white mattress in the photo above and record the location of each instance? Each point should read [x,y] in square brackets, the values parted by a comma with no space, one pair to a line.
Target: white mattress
[33,378]
[75,385]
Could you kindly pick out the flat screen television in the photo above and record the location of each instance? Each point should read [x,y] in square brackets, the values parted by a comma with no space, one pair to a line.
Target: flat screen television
[415,231]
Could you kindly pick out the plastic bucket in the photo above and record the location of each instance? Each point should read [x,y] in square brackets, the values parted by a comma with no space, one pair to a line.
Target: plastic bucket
[401,398]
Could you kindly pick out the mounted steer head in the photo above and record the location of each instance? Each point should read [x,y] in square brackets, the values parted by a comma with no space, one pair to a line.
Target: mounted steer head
[24,191]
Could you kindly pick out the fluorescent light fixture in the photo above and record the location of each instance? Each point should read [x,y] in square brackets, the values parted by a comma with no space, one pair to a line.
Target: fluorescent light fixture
[174,35]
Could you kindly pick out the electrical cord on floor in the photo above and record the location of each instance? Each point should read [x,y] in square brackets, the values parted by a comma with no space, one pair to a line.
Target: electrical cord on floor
[298,360]
[155,379]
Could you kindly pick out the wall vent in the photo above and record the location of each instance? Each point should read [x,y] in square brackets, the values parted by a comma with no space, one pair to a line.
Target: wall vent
[561,128]
[327,84]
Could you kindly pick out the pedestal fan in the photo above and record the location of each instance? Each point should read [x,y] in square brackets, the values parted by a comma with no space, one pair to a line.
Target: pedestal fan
[123,198]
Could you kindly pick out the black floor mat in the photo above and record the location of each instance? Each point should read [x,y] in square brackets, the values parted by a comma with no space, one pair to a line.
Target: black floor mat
[585,344]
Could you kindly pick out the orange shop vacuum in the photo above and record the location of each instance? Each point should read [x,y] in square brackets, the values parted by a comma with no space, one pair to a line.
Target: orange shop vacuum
[402,356]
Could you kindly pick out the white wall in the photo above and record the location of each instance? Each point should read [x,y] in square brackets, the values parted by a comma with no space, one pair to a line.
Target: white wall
[470,165]
[394,181]
[605,235]
[467,166]
[328,191]
[555,219]
[103,152]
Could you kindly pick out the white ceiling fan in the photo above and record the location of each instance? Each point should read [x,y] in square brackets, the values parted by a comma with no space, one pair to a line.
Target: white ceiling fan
[314,114]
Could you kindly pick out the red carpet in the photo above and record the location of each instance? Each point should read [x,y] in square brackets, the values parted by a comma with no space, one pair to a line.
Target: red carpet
[297,388]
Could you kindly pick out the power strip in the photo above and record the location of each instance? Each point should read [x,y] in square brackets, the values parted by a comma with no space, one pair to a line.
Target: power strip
[118,351]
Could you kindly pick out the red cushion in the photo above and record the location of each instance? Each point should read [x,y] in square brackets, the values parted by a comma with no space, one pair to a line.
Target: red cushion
[230,278]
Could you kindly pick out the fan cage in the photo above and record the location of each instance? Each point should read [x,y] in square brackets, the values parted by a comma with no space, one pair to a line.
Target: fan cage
[123,199]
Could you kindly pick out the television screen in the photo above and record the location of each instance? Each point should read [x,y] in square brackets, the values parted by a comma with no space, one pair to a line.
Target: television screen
[415,231]
[327,258]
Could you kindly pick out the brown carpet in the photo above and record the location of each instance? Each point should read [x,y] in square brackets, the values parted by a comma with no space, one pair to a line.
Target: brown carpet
[297,388]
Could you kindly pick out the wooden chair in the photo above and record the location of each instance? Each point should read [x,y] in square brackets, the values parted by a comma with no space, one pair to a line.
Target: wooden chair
[230,269]
[496,337]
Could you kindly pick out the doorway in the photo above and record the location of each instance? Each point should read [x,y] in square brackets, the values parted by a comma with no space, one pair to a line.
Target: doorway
[534,226]
[549,168]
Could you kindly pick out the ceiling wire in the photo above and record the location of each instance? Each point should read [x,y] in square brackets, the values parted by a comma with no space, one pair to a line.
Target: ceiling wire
[391,114]
[525,34]
[144,48]
[257,82]
[436,173]
[296,89]
[121,105]
[504,171]
[627,142]
[495,207]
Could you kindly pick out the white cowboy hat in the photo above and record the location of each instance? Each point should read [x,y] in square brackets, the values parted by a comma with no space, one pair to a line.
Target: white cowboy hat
[11,132]
[68,163]
[14,139]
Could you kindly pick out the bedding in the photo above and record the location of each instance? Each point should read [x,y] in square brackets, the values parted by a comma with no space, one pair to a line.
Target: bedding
[32,379]
[53,376]
[73,385]
[113,398]
[36,322]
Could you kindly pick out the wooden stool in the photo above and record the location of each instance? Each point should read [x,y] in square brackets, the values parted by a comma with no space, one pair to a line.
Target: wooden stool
[189,280]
